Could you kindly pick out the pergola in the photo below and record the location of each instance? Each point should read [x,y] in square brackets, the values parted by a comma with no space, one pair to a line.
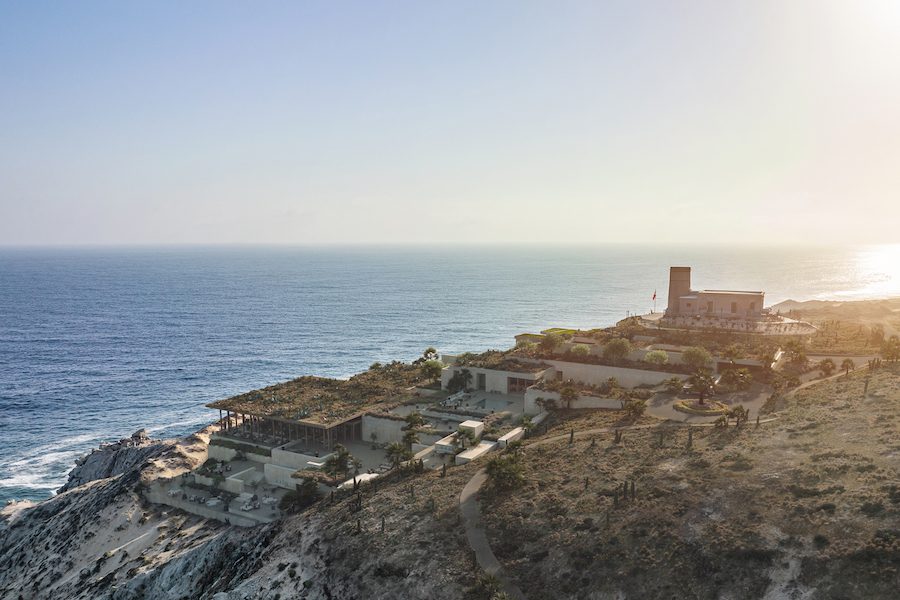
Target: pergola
[259,427]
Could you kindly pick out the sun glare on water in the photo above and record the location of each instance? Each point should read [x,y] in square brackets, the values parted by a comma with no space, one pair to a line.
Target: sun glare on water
[879,266]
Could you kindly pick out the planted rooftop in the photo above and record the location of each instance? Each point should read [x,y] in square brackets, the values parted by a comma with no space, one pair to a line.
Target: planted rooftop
[500,361]
[323,400]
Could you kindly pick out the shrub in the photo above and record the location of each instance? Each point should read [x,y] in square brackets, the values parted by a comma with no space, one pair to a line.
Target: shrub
[505,472]
[696,357]
[581,350]
[738,379]
[674,385]
[551,342]
[431,369]
[616,349]
[657,357]
[306,494]
[634,408]
[826,367]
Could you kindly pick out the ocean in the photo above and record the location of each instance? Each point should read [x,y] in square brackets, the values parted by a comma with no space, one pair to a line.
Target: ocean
[96,343]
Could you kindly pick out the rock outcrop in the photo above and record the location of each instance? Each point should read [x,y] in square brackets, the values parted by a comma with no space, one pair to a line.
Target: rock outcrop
[100,539]
[114,459]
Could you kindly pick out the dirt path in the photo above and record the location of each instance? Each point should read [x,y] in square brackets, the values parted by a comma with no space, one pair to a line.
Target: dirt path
[813,382]
[470,510]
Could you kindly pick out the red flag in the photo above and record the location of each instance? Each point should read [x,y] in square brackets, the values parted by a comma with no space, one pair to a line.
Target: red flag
[654,295]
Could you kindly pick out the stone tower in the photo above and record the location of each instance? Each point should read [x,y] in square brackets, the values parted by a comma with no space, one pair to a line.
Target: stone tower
[679,285]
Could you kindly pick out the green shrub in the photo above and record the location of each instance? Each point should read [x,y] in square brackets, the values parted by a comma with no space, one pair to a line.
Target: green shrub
[657,357]
[581,350]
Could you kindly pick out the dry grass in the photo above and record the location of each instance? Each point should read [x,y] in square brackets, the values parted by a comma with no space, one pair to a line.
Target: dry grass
[847,326]
[321,399]
[809,502]
[423,547]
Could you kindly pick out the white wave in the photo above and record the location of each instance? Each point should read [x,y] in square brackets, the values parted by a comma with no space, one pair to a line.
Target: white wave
[33,481]
[188,422]
[46,459]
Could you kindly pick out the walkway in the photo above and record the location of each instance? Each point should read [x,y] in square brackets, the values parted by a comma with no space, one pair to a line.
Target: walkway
[471,514]
[471,511]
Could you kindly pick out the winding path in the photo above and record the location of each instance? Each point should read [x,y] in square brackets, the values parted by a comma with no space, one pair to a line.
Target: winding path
[471,511]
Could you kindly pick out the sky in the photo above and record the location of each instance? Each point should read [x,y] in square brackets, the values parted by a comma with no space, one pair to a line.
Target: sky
[449,122]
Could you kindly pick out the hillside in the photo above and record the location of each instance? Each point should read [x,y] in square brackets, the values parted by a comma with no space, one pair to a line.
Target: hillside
[806,506]
[100,540]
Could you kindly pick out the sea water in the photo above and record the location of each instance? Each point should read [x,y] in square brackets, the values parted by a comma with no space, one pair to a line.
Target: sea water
[97,343]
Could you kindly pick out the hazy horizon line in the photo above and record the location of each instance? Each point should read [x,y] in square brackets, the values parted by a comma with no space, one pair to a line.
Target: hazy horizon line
[418,244]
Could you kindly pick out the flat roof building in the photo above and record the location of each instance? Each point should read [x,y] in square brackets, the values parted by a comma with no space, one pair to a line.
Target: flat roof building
[684,301]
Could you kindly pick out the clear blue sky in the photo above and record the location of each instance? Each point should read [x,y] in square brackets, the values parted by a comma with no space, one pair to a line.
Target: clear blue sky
[473,122]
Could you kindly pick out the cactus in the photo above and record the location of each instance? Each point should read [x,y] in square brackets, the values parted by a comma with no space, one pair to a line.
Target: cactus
[690,442]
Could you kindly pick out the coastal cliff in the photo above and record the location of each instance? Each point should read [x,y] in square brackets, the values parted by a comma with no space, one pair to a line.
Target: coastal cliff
[114,459]
[100,539]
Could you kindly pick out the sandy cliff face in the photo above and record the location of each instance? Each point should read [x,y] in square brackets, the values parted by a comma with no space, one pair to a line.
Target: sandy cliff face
[99,539]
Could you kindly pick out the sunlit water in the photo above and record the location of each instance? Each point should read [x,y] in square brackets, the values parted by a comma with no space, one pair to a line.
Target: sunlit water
[95,344]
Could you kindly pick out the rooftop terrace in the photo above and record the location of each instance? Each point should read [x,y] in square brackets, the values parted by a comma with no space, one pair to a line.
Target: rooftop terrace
[500,361]
[323,401]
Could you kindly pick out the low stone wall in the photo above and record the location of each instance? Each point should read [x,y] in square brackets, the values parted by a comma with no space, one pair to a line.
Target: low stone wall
[597,374]
[423,453]
[595,402]
[228,454]
[532,407]
[157,496]
[475,453]
[516,434]
[295,460]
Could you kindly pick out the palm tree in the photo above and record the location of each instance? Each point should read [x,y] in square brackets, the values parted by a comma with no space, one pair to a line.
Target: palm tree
[339,462]
[460,381]
[703,383]
[568,395]
[465,436]
[397,453]
[410,438]
[527,423]
[848,365]
[414,419]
